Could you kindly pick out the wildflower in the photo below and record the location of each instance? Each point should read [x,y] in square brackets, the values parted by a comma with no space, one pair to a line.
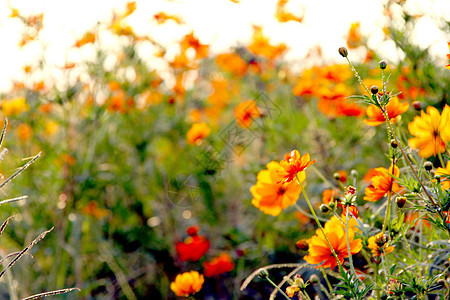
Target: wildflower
[341,176]
[354,38]
[87,38]
[393,109]
[232,62]
[296,286]
[193,247]
[190,41]
[261,46]
[282,15]
[377,244]
[51,127]
[187,284]
[431,131]
[445,179]
[320,252]
[382,183]
[271,196]
[218,265]
[246,112]
[24,132]
[330,195]
[197,133]
[14,106]
[91,209]
[162,17]
[293,164]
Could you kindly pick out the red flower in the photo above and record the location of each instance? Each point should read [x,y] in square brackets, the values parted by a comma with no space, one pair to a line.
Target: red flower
[218,265]
[194,246]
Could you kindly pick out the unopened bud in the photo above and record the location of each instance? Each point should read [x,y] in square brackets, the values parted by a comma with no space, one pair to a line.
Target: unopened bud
[337,176]
[394,144]
[400,201]
[383,64]
[314,279]
[324,208]
[428,166]
[343,51]
[417,105]
[302,245]
[354,173]
[374,89]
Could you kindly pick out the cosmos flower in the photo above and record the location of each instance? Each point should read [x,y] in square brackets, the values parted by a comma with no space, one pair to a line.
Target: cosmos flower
[382,183]
[431,131]
[246,112]
[445,181]
[218,265]
[293,164]
[394,109]
[272,197]
[197,133]
[378,245]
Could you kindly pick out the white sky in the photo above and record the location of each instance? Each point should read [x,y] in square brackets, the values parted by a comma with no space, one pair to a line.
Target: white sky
[220,23]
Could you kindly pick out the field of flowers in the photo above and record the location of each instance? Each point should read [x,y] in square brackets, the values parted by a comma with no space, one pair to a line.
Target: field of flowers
[229,175]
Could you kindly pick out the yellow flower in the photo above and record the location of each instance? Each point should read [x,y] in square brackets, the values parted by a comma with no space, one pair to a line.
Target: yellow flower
[197,133]
[320,252]
[431,131]
[187,284]
[271,197]
[51,127]
[14,106]
[445,181]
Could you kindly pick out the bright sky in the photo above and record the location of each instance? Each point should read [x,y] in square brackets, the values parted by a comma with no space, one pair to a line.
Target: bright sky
[220,23]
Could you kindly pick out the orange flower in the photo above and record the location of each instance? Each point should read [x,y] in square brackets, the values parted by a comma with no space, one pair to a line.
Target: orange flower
[293,164]
[246,112]
[87,38]
[93,210]
[261,46]
[394,108]
[320,252]
[445,181]
[271,197]
[187,284]
[329,194]
[354,39]
[194,246]
[232,62]
[283,15]
[24,132]
[197,133]
[382,183]
[190,41]
[378,246]
[431,131]
[218,265]
[162,17]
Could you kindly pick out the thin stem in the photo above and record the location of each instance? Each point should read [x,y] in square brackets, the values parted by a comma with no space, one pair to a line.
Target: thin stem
[388,212]
[278,288]
[318,223]
[350,259]
[441,160]
[326,278]
[358,77]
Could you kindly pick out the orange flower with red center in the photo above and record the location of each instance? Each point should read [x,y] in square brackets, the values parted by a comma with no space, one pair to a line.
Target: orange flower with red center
[293,164]
[246,112]
[378,245]
[320,252]
[271,196]
[431,131]
[187,284]
[445,173]
[218,265]
[354,38]
[197,133]
[382,183]
[194,246]
[394,109]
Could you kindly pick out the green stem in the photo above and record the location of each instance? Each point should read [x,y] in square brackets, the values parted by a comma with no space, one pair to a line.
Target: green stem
[441,160]
[350,259]
[278,288]
[359,77]
[326,279]
[318,223]
[388,212]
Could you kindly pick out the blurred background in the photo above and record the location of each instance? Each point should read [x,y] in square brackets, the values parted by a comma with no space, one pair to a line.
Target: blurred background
[149,142]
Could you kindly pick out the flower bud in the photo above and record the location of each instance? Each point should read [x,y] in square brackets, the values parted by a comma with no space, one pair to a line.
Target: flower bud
[302,245]
[417,105]
[314,279]
[343,51]
[428,166]
[374,89]
[324,208]
[383,64]
[394,144]
[337,176]
[354,173]
[400,201]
